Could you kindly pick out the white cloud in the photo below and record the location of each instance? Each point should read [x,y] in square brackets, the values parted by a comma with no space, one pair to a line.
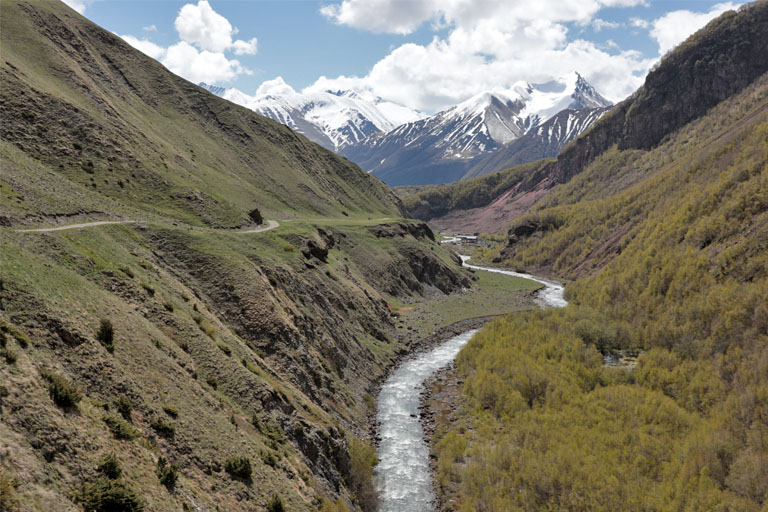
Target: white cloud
[148,47]
[201,66]
[78,5]
[490,45]
[674,27]
[202,26]
[246,47]
[599,24]
[275,87]
[151,28]
[639,23]
[200,55]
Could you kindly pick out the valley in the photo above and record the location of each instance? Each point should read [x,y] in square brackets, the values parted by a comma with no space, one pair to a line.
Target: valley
[204,308]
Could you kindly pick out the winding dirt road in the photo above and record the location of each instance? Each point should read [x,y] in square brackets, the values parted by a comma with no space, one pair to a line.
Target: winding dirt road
[271,224]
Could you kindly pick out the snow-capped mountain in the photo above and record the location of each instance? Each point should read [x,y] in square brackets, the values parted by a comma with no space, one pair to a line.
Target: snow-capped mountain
[443,147]
[544,141]
[333,119]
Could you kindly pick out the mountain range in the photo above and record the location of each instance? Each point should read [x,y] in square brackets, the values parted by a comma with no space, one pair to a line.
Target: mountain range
[488,132]
[333,119]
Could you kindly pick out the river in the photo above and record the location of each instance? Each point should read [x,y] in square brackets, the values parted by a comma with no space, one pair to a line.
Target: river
[403,476]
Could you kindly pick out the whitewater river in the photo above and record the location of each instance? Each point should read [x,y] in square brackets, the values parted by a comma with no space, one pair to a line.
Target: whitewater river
[402,476]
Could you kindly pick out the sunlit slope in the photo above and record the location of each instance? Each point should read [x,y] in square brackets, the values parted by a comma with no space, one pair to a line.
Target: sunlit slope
[105,115]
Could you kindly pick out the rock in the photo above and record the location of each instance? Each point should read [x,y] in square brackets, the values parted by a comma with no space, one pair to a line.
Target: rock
[255,216]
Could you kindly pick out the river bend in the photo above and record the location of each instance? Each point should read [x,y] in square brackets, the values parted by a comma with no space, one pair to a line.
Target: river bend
[403,476]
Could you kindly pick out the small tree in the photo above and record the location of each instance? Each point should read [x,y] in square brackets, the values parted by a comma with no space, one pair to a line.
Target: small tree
[167,473]
[239,467]
[106,335]
[275,504]
[109,466]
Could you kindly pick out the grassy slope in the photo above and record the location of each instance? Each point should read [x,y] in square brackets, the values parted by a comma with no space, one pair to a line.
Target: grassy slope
[675,262]
[223,326]
[107,116]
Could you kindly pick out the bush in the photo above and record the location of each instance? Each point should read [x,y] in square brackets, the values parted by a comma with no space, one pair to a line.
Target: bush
[239,467]
[120,428]
[171,411]
[9,355]
[162,427]
[211,380]
[275,504]
[109,466]
[8,498]
[225,348]
[124,407]
[105,495]
[360,479]
[329,506]
[167,473]
[63,391]
[269,459]
[106,335]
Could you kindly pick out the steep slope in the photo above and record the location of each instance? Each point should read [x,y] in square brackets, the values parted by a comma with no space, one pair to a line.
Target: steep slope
[442,148]
[333,119]
[175,362]
[669,249]
[730,52]
[78,98]
[542,142]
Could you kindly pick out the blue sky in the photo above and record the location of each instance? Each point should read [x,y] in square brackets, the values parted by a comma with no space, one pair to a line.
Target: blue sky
[426,54]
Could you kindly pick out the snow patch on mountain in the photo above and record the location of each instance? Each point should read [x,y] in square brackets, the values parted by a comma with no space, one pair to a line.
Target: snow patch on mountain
[333,119]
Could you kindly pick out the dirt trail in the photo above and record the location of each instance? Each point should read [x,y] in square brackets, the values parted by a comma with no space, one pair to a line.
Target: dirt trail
[271,224]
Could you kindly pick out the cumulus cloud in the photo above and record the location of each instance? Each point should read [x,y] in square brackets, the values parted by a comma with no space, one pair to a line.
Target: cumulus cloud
[200,55]
[201,66]
[490,45]
[275,87]
[202,26]
[599,24]
[674,27]
[78,5]
[144,45]
[150,28]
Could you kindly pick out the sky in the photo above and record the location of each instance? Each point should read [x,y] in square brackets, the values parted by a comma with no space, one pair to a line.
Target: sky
[424,54]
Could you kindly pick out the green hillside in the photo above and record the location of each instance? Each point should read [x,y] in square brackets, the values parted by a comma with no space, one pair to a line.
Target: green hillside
[668,247]
[171,354]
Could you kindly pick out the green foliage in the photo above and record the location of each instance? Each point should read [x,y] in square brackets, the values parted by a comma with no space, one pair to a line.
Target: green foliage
[289,247]
[330,506]
[238,467]
[64,392]
[105,495]
[225,348]
[120,428]
[9,355]
[109,466]
[163,427]
[168,474]
[269,458]
[9,500]
[362,457]
[106,335]
[275,504]
[124,406]
[171,411]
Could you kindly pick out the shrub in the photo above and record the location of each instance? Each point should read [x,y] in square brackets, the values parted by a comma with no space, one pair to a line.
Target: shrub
[120,428]
[171,411]
[225,348]
[8,498]
[163,427]
[106,335]
[168,306]
[289,247]
[9,355]
[238,467]
[124,406]
[63,391]
[269,459]
[329,506]
[167,473]
[211,380]
[109,466]
[105,495]
[127,271]
[275,504]
[362,461]
[149,288]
